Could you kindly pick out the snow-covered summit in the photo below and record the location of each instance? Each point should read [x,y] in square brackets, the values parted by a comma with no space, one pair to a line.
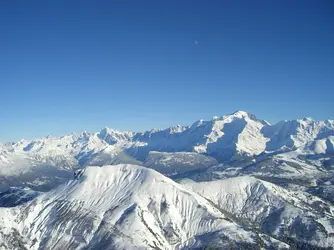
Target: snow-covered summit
[113,136]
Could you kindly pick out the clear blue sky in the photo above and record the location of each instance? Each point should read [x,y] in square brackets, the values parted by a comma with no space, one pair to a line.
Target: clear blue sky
[133,65]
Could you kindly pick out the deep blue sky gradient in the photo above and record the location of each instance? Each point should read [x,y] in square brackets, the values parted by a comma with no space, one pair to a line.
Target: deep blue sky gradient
[133,65]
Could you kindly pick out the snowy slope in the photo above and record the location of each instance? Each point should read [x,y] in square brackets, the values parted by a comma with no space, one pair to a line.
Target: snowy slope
[38,171]
[272,209]
[122,207]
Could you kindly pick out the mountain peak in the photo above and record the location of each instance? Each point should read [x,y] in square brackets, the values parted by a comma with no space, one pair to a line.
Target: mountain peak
[112,136]
[105,131]
[197,123]
[85,134]
[241,113]
[308,119]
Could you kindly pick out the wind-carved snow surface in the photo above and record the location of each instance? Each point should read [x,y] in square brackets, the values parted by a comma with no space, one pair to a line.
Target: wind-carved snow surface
[123,207]
[244,183]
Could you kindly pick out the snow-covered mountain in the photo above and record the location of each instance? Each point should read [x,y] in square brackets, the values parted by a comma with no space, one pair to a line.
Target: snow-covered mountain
[123,207]
[274,210]
[223,138]
[226,138]
[232,181]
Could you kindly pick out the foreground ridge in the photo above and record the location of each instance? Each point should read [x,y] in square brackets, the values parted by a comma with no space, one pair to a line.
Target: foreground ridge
[123,206]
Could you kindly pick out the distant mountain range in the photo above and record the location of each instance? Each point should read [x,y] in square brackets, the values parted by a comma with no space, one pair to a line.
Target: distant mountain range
[234,181]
